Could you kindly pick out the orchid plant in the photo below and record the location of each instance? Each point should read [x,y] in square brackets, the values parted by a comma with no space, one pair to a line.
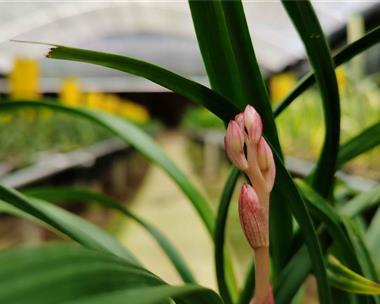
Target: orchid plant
[312,229]
[258,165]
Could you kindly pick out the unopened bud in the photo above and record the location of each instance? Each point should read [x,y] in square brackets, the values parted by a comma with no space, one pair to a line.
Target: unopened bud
[253,218]
[240,120]
[234,145]
[266,163]
[253,124]
[264,154]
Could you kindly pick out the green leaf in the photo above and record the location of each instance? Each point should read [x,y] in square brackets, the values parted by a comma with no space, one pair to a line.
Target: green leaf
[136,138]
[292,276]
[322,210]
[362,202]
[255,93]
[181,294]
[309,29]
[363,142]
[345,279]
[365,258]
[64,194]
[62,221]
[373,237]
[246,293]
[220,235]
[70,274]
[296,271]
[252,84]
[216,49]
[290,195]
[345,54]
[196,92]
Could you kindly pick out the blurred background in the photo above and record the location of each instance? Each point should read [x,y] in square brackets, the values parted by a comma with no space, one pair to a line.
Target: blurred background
[45,148]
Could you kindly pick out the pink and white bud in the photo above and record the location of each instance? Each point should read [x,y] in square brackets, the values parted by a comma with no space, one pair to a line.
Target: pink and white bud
[253,124]
[234,145]
[253,218]
[264,154]
[240,120]
[266,163]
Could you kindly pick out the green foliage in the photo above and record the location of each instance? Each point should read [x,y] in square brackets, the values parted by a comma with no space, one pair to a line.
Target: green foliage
[200,119]
[107,272]
[345,279]
[78,275]
[65,195]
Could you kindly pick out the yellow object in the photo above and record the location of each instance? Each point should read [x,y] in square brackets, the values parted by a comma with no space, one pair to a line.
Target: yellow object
[23,79]
[281,84]
[341,77]
[133,112]
[94,100]
[70,93]
[112,104]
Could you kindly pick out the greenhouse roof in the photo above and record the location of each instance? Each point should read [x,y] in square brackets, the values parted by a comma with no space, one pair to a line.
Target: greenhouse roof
[157,31]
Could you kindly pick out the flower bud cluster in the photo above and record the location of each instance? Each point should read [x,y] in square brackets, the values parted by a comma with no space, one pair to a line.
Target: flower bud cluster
[249,151]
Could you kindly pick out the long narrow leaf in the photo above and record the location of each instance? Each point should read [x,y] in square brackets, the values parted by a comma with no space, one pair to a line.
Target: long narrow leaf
[373,236]
[190,294]
[344,278]
[196,92]
[62,221]
[362,202]
[348,52]
[363,142]
[330,218]
[365,258]
[216,50]
[64,194]
[220,235]
[246,293]
[62,274]
[136,138]
[309,29]
[290,194]
[296,271]
[253,87]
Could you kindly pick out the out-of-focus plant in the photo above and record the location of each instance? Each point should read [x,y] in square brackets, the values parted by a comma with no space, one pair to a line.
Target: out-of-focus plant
[108,272]
[199,118]
[360,110]
[46,131]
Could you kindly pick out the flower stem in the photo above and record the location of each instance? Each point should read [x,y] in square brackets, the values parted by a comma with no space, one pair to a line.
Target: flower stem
[263,287]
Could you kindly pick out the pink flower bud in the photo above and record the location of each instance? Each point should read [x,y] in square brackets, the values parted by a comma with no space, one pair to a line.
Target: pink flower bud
[253,124]
[240,120]
[234,145]
[264,154]
[266,163]
[253,218]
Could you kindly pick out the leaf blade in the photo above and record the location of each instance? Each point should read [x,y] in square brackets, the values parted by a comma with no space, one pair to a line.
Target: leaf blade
[290,194]
[219,236]
[345,54]
[196,92]
[61,194]
[78,275]
[361,143]
[345,279]
[72,226]
[310,31]
[139,140]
